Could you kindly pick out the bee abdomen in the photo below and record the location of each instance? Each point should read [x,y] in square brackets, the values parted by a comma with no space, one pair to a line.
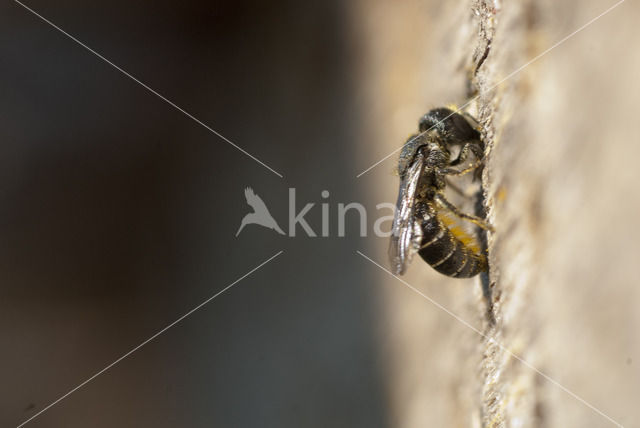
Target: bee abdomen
[446,253]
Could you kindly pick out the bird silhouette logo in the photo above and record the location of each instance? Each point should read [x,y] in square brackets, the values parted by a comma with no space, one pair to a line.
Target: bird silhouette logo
[260,214]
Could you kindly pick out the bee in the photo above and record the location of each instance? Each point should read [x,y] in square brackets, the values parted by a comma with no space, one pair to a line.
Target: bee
[425,221]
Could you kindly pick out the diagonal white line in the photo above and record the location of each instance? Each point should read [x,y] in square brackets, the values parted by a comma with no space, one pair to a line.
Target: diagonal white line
[505,349]
[555,45]
[165,99]
[150,339]
[509,76]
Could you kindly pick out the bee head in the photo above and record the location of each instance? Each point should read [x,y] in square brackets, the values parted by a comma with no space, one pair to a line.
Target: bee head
[453,128]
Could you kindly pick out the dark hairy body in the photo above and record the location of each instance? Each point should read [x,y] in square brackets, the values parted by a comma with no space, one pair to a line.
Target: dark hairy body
[424,217]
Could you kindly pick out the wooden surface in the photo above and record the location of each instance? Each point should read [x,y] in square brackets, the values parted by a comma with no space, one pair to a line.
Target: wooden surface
[561,185]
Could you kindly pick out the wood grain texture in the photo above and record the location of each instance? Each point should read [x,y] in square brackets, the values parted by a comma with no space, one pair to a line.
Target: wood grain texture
[560,184]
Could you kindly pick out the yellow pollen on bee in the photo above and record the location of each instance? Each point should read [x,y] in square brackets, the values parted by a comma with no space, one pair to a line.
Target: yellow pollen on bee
[459,233]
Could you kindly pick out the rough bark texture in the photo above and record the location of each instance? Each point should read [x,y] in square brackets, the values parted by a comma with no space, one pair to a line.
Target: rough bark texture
[560,189]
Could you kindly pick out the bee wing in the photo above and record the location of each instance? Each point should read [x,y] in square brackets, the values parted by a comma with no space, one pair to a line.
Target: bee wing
[406,233]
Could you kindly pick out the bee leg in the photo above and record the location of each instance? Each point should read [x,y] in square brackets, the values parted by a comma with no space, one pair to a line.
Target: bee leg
[471,146]
[453,209]
[458,173]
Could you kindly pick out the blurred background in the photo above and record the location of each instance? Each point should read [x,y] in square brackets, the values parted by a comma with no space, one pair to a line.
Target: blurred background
[118,215]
